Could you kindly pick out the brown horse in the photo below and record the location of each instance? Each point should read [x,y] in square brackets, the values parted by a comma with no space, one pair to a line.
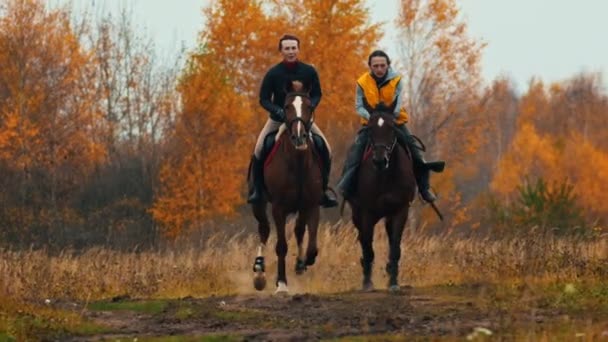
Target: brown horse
[385,188]
[292,176]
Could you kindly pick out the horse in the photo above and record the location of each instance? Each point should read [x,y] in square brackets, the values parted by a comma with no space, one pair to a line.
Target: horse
[386,186]
[293,185]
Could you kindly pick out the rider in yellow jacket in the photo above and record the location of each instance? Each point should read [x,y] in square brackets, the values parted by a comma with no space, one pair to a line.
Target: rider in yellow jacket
[383,86]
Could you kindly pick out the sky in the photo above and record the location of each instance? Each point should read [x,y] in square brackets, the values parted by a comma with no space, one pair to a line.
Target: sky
[550,39]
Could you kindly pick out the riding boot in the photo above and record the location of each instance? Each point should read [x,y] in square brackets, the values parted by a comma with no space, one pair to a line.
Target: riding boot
[422,168]
[328,200]
[347,184]
[255,192]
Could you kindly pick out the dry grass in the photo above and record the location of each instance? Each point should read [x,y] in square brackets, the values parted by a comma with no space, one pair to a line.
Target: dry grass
[223,264]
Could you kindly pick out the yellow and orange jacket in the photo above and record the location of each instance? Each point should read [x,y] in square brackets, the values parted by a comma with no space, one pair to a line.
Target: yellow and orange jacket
[388,91]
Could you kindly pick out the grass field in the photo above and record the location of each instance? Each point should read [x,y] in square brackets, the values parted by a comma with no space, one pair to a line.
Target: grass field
[567,276]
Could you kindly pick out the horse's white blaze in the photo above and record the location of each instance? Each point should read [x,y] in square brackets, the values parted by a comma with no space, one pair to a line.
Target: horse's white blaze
[380,122]
[281,288]
[261,248]
[297,103]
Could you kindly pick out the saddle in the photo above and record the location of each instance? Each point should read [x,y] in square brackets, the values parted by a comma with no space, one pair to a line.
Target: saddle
[272,143]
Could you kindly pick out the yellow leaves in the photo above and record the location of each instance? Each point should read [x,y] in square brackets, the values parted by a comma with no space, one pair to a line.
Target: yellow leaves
[205,175]
[587,167]
[215,132]
[442,10]
[573,158]
[409,10]
[530,153]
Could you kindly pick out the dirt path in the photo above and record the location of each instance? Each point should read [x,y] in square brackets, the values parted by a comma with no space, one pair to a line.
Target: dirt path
[412,312]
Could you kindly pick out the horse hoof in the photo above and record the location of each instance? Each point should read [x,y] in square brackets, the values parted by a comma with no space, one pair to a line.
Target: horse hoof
[368,287]
[259,281]
[281,288]
[394,288]
[311,260]
[300,266]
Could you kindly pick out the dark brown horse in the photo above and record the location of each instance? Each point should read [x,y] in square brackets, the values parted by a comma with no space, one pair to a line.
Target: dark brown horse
[292,176]
[385,188]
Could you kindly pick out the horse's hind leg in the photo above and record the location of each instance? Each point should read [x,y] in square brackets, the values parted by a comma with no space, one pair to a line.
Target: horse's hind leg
[313,226]
[394,230]
[259,267]
[300,229]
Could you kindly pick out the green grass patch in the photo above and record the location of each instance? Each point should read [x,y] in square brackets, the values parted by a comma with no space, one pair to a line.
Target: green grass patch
[6,338]
[239,316]
[184,313]
[150,307]
[53,325]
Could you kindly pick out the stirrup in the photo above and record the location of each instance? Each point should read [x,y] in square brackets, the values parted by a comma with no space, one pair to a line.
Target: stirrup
[432,195]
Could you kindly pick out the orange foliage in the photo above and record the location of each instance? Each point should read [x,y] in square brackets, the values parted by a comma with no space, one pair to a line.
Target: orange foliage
[556,154]
[530,154]
[441,69]
[336,39]
[48,108]
[205,174]
[441,65]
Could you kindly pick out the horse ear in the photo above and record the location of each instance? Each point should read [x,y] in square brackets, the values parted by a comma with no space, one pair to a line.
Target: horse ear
[294,86]
[383,108]
[307,88]
[288,87]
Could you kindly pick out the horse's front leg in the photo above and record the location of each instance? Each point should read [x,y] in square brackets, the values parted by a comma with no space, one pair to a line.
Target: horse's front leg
[366,239]
[313,226]
[259,267]
[280,217]
[394,230]
[300,229]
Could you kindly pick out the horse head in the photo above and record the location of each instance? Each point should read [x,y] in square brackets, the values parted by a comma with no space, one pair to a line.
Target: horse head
[382,135]
[298,114]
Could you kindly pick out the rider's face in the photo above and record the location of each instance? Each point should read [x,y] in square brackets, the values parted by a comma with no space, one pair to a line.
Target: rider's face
[378,66]
[290,50]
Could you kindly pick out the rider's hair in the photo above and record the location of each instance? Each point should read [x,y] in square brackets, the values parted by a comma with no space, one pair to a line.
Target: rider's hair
[378,53]
[288,37]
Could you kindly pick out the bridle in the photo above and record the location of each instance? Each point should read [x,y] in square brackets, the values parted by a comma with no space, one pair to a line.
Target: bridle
[307,124]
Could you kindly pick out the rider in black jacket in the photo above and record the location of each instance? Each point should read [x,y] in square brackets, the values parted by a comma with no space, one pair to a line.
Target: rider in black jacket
[272,98]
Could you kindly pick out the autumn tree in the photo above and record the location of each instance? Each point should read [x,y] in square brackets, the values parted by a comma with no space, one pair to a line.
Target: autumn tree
[336,37]
[205,174]
[47,113]
[440,64]
[136,94]
[555,141]
[441,67]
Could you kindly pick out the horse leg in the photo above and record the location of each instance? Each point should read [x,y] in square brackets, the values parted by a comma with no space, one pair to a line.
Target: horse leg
[300,229]
[313,226]
[366,237]
[394,230]
[280,217]
[259,267]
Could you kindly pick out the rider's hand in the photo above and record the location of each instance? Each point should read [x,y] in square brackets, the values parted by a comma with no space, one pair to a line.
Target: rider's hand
[278,115]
